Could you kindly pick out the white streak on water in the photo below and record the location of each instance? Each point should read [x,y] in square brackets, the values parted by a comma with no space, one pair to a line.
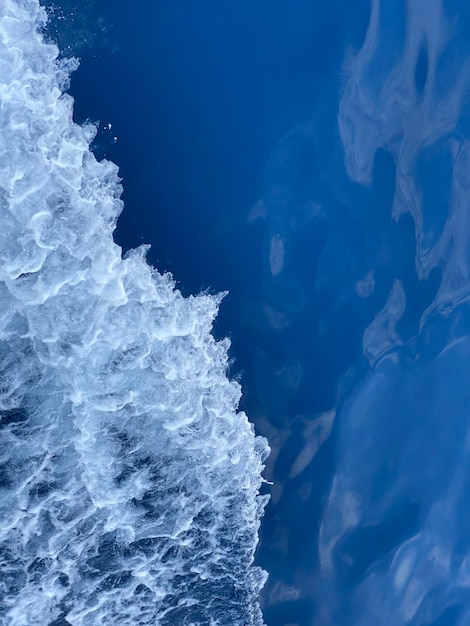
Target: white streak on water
[389,113]
[128,480]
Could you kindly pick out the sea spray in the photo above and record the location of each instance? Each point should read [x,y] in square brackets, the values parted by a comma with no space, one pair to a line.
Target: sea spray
[129,482]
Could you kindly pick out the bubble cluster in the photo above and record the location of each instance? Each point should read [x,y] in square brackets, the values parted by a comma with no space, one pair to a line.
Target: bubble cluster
[129,482]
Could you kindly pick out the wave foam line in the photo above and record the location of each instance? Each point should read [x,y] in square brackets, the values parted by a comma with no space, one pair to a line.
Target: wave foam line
[129,482]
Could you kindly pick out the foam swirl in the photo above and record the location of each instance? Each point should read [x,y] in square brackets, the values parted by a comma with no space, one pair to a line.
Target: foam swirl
[129,482]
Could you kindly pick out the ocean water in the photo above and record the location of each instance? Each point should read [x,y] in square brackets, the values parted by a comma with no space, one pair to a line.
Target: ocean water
[129,480]
[309,160]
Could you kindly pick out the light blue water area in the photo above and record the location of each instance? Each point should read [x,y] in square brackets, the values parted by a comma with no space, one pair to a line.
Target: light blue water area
[312,159]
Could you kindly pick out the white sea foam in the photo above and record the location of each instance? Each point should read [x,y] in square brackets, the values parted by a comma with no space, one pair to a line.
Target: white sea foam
[128,480]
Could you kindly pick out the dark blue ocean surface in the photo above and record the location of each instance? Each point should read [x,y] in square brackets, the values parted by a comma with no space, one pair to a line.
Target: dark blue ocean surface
[312,159]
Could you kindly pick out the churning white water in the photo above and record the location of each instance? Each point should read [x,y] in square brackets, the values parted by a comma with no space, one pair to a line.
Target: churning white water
[128,480]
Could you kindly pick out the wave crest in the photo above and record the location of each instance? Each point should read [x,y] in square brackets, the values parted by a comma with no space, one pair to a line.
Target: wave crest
[129,480]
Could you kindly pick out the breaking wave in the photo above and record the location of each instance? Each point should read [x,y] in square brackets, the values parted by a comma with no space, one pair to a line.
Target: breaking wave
[129,482]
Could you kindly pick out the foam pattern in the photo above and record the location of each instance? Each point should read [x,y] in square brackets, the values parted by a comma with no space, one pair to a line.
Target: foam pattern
[129,482]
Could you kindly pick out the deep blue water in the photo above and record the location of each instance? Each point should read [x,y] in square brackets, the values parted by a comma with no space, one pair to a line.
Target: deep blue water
[312,159]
